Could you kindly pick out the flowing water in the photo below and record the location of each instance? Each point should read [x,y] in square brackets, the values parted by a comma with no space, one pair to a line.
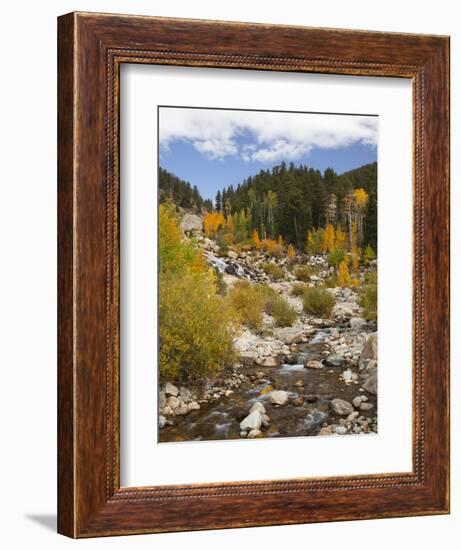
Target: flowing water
[221,419]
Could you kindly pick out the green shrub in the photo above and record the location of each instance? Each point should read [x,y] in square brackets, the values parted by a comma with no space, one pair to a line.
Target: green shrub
[282,312]
[248,302]
[303,272]
[196,328]
[277,306]
[319,302]
[298,289]
[336,256]
[368,300]
[274,271]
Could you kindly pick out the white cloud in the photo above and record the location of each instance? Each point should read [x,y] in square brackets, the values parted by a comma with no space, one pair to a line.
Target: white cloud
[274,136]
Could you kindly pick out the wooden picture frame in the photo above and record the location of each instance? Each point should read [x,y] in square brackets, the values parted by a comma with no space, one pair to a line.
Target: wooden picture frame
[92,48]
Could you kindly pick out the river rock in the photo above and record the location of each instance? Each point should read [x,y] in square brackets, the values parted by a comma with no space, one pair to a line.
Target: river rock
[369,351]
[252,422]
[254,433]
[173,402]
[193,406]
[335,360]
[366,406]
[371,382]
[278,397]
[313,364]
[185,394]
[347,376]
[289,335]
[232,255]
[357,323]
[161,399]
[353,416]
[340,430]
[298,401]
[191,223]
[267,361]
[181,410]
[258,406]
[341,407]
[357,401]
[161,421]
[170,389]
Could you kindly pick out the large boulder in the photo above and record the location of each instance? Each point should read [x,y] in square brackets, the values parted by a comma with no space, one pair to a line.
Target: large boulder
[341,407]
[278,397]
[252,422]
[191,223]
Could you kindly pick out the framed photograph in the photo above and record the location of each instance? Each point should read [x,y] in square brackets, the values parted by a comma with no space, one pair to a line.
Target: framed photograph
[253,275]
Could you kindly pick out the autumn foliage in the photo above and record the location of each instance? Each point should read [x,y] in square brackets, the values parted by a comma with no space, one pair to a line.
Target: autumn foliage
[196,324]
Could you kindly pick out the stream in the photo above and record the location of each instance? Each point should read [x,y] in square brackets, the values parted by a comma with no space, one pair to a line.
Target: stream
[221,419]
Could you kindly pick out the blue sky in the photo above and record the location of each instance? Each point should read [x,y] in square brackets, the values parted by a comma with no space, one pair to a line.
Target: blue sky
[216,148]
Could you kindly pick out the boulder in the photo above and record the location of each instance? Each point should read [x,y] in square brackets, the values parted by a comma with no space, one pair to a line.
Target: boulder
[173,403]
[313,364]
[267,361]
[335,360]
[252,422]
[366,406]
[258,406]
[289,335]
[161,421]
[347,376]
[170,389]
[193,406]
[254,433]
[278,397]
[185,394]
[369,351]
[181,410]
[232,255]
[357,401]
[191,223]
[340,430]
[371,382]
[341,407]
[357,323]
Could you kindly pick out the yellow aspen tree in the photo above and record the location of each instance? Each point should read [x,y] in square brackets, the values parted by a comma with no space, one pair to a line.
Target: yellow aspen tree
[344,277]
[291,253]
[280,240]
[256,240]
[329,238]
[340,238]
